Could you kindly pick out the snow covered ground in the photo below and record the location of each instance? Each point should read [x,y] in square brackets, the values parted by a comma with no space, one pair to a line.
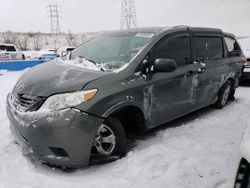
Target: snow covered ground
[199,150]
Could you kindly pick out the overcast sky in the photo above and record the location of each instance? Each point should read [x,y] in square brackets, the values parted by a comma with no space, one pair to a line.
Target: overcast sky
[95,15]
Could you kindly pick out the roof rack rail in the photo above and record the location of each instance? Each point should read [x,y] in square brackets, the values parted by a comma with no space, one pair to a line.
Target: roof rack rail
[180,26]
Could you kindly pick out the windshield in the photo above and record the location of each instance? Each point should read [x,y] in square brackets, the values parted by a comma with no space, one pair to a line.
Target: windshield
[114,50]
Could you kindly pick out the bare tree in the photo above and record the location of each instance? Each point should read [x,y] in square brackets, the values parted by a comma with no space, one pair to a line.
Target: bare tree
[10,37]
[71,39]
[83,38]
[37,41]
[23,41]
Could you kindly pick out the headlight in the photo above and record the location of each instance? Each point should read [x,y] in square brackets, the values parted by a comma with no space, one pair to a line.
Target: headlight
[66,100]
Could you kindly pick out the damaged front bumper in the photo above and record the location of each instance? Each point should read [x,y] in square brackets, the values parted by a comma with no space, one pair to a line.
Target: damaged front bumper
[62,137]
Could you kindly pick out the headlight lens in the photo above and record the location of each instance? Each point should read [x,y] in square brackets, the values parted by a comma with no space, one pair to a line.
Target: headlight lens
[66,100]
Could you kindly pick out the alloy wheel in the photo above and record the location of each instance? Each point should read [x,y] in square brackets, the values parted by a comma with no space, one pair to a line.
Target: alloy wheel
[105,141]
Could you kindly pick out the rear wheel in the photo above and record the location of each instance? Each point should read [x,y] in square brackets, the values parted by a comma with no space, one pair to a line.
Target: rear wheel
[110,139]
[223,95]
[231,95]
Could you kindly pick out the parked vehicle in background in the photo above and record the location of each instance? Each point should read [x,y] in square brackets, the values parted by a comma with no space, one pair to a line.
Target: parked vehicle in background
[48,54]
[9,52]
[121,83]
[242,179]
[48,57]
[62,51]
[245,45]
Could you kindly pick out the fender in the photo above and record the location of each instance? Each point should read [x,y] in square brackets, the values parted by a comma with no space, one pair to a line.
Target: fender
[121,105]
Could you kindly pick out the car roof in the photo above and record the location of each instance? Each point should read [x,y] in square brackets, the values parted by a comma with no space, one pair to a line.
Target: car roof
[5,44]
[158,30]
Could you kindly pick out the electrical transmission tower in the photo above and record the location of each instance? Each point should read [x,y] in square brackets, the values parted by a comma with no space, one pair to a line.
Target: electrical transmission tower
[54,18]
[128,14]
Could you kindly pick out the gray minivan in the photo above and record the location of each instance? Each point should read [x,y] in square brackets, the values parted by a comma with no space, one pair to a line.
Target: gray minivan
[117,84]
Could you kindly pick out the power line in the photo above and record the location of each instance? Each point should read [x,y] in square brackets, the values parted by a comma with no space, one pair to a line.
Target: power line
[54,18]
[128,14]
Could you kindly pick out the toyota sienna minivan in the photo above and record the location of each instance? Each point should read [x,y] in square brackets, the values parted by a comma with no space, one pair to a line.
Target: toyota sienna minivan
[65,112]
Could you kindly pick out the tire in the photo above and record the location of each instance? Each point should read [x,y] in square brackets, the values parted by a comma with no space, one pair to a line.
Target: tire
[243,174]
[223,95]
[231,95]
[110,139]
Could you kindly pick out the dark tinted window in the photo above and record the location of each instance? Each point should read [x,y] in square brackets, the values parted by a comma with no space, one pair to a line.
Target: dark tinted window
[207,48]
[7,48]
[10,48]
[233,48]
[177,49]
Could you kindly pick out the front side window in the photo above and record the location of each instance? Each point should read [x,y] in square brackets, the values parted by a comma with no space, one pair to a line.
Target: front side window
[177,48]
[114,50]
[207,48]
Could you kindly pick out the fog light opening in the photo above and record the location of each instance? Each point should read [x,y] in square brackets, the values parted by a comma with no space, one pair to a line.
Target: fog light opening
[59,152]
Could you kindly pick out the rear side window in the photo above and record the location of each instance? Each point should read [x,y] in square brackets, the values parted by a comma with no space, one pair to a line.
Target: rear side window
[2,48]
[177,49]
[233,49]
[207,48]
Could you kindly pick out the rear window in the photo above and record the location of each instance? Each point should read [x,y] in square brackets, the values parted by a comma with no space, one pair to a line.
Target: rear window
[207,48]
[233,48]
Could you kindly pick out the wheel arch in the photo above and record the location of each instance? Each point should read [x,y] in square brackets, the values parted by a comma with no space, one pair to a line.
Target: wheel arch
[130,115]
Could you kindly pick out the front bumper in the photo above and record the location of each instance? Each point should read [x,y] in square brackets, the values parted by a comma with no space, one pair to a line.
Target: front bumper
[62,138]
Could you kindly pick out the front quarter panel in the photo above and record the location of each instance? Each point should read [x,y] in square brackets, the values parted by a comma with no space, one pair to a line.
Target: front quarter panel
[115,92]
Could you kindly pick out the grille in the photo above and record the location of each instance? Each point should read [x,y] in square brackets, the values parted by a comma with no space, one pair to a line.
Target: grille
[24,102]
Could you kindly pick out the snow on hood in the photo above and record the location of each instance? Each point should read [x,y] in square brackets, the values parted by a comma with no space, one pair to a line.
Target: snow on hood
[84,63]
[80,62]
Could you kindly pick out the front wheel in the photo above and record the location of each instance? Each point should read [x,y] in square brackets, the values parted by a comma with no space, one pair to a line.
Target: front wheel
[223,95]
[110,139]
[243,175]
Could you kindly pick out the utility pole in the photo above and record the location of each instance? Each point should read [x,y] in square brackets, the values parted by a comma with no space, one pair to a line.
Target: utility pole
[128,14]
[54,20]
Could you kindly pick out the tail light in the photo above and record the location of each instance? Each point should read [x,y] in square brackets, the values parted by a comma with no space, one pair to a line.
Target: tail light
[245,62]
[23,56]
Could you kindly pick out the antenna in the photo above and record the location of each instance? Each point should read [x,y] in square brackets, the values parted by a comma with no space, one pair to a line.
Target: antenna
[128,14]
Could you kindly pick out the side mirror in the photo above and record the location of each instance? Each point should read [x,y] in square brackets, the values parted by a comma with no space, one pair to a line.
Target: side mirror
[165,65]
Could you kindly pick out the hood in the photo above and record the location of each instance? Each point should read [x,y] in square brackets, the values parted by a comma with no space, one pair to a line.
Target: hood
[55,77]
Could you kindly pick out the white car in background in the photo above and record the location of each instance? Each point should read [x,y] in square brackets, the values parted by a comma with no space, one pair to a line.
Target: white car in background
[245,46]
[9,52]
[242,179]
[42,52]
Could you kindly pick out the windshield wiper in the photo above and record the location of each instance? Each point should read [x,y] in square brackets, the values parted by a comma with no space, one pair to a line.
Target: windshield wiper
[96,64]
